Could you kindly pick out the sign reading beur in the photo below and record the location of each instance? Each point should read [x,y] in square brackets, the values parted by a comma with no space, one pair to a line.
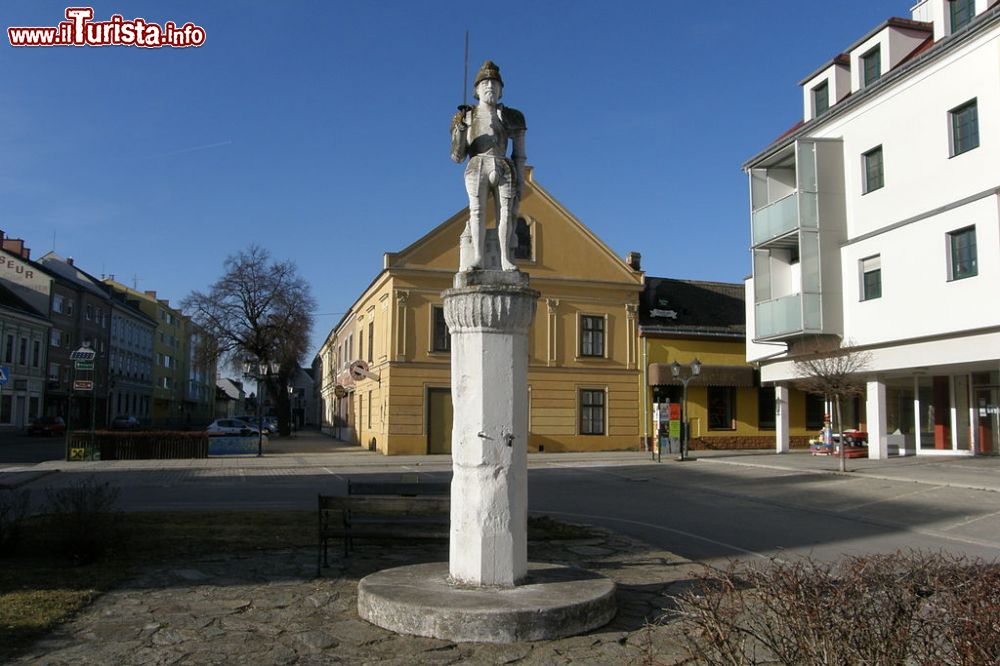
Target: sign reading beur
[83,385]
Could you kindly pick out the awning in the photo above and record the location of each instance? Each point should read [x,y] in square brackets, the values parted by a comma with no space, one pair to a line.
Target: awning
[711,375]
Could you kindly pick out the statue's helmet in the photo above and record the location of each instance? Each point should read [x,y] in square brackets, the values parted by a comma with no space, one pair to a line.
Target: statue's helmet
[489,70]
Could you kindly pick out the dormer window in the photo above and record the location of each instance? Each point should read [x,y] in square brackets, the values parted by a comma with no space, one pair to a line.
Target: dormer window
[871,67]
[961,13]
[821,99]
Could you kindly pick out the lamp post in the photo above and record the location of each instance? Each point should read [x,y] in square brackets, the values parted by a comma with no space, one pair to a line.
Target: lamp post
[258,369]
[694,371]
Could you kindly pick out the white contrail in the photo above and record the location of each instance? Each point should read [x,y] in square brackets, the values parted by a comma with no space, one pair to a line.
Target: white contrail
[207,146]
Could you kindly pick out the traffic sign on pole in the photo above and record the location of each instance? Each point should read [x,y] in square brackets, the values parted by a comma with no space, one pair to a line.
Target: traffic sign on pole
[83,365]
[83,385]
[4,375]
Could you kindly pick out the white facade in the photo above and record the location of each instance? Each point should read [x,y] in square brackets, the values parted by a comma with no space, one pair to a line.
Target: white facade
[907,192]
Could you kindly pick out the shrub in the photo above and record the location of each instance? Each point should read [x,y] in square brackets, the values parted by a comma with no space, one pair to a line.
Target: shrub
[879,609]
[84,520]
[13,509]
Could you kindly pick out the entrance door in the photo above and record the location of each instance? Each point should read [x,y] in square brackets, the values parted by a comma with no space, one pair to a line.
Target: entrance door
[439,416]
[988,420]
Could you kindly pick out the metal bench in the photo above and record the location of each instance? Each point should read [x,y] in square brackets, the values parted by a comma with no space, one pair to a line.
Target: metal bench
[379,517]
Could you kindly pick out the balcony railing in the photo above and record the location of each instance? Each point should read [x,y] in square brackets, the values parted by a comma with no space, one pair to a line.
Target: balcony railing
[776,219]
[778,316]
[783,317]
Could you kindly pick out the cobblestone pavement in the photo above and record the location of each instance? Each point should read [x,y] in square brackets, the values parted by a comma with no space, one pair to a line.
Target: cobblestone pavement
[268,608]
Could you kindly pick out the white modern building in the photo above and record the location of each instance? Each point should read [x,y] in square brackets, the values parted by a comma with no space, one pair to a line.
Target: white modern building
[876,223]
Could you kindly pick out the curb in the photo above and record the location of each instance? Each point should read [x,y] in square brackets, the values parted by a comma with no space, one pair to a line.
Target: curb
[24,478]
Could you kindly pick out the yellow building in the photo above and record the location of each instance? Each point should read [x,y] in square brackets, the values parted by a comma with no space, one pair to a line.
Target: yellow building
[583,366]
[684,320]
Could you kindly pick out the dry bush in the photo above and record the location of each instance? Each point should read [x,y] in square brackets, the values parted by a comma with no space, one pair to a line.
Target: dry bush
[84,520]
[13,509]
[879,609]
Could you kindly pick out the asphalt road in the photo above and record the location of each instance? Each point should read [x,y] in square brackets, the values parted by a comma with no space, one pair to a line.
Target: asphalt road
[17,449]
[704,510]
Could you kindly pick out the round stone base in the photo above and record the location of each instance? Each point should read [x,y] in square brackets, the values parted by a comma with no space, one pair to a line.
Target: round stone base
[554,601]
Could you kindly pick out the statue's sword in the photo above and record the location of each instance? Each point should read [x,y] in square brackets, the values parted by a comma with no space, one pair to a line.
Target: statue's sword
[465,78]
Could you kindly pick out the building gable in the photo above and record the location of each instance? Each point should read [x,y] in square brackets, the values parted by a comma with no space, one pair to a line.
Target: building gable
[562,247]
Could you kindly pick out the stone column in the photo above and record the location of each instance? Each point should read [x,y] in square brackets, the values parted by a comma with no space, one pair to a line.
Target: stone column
[782,439]
[878,436]
[488,313]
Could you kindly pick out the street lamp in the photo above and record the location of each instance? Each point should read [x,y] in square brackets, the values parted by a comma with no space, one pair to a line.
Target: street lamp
[257,370]
[675,370]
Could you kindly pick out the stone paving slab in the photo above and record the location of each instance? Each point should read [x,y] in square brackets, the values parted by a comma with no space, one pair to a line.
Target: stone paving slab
[268,608]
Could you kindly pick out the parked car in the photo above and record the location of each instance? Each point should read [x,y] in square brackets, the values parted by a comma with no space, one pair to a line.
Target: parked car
[267,425]
[231,427]
[47,425]
[124,423]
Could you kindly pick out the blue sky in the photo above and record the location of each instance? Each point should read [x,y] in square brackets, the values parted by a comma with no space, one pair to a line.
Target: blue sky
[319,130]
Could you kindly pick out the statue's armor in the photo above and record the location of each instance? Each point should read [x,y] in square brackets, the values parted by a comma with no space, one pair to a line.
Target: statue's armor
[482,136]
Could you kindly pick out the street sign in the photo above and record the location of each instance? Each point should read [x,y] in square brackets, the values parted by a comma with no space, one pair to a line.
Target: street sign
[83,354]
[339,391]
[359,370]
[84,365]
[4,376]
[83,385]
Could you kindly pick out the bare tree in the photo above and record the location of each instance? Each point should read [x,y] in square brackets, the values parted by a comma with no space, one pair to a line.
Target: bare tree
[259,310]
[835,371]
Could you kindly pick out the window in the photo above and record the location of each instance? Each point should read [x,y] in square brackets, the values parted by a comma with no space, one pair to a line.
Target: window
[962,245]
[371,341]
[821,99]
[961,13]
[522,237]
[874,173]
[88,313]
[36,353]
[815,411]
[591,335]
[591,411]
[55,338]
[58,303]
[442,340]
[766,408]
[721,408]
[8,349]
[964,128]
[22,352]
[871,278]
[871,67]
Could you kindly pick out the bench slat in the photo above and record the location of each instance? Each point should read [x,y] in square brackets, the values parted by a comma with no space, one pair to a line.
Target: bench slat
[403,489]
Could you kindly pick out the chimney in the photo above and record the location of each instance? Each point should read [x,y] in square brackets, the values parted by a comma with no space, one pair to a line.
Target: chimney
[151,294]
[14,245]
[634,261]
[69,260]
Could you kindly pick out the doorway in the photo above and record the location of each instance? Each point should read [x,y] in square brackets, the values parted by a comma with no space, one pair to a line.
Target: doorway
[439,418]
[987,419]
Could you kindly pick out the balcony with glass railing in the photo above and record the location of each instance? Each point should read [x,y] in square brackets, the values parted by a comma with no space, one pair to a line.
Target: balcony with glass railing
[776,219]
[788,316]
